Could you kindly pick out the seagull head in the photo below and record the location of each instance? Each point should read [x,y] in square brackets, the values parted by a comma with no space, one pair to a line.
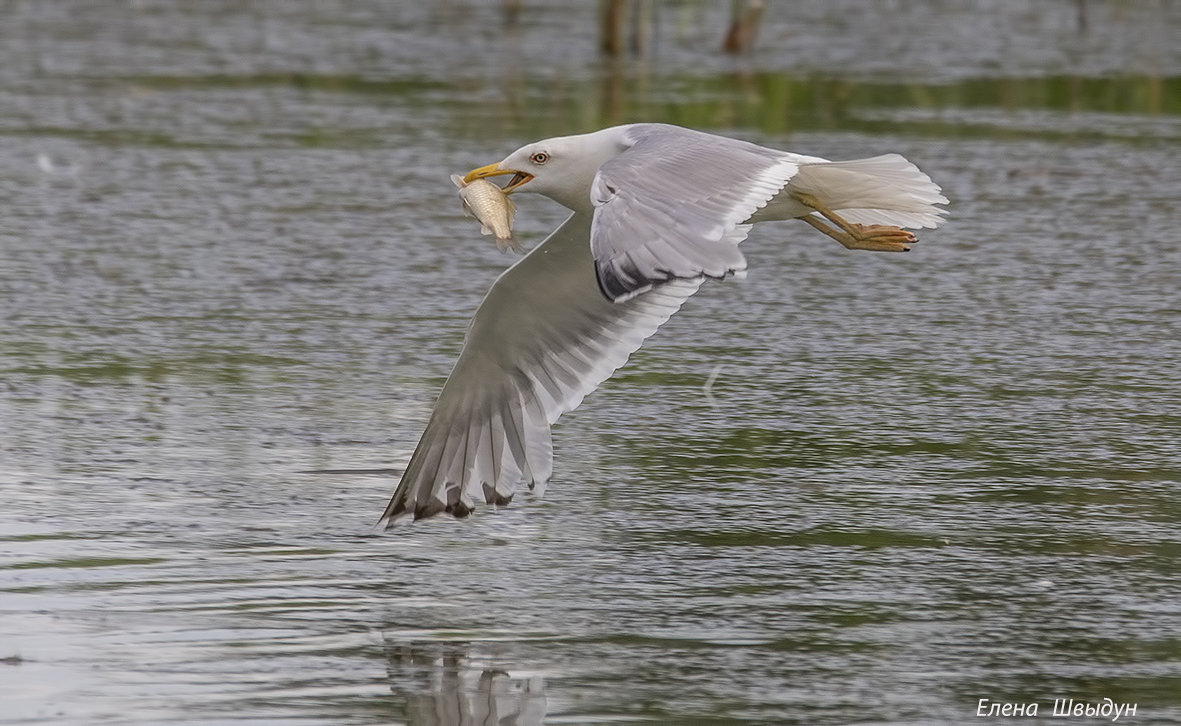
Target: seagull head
[561,168]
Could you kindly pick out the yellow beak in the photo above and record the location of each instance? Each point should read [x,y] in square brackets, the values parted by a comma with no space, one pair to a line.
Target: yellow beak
[519,177]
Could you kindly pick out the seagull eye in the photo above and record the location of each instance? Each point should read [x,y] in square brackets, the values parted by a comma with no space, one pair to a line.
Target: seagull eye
[539,158]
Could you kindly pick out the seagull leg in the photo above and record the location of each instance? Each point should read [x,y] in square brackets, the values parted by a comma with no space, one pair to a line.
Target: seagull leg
[875,237]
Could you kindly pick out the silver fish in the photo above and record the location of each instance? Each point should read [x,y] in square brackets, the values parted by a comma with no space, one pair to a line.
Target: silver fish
[491,206]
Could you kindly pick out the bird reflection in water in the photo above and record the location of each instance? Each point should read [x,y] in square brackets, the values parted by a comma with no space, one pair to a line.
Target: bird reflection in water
[451,684]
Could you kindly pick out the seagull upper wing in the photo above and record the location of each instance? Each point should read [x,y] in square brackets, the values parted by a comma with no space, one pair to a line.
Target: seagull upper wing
[542,339]
[672,206]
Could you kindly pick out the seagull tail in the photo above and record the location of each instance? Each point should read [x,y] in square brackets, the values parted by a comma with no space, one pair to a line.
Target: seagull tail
[886,189]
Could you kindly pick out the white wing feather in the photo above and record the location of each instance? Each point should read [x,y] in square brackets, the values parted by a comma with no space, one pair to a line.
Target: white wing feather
[672,206]
[542,339]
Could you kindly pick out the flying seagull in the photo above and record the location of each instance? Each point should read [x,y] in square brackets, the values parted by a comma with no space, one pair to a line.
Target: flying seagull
[657,209]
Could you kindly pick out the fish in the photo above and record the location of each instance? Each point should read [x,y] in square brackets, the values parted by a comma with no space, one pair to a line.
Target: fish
[491,206]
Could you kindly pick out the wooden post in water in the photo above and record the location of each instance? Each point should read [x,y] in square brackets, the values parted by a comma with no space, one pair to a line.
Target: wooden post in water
[612,18]
[744,24]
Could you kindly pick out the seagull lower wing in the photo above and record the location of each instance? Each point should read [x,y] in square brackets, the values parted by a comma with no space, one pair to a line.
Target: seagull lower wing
[542,339]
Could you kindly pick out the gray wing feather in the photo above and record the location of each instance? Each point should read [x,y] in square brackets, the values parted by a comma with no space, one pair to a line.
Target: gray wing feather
[542,339]
[671,206]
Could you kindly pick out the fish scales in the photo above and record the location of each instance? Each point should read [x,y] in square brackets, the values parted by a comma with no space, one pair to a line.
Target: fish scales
[492,208]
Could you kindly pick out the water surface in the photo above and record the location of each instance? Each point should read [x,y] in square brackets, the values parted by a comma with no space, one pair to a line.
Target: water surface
[230,253]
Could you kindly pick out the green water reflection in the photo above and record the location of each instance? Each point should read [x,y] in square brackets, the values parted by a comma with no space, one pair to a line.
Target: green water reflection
[783,102]
[770,102]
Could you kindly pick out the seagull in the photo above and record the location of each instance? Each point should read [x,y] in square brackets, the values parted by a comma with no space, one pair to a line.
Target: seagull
[655,210]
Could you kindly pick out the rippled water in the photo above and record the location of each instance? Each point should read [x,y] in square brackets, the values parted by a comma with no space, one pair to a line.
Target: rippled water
[229,254]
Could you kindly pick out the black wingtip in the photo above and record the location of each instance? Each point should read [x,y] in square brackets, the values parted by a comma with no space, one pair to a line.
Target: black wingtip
[611,284]
[620,283]
[491,496]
